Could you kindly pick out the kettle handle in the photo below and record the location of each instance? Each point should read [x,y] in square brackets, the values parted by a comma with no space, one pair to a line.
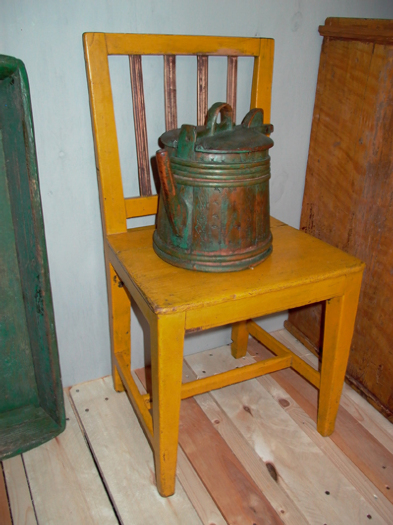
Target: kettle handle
[174,206]
[226,123]
[254,119]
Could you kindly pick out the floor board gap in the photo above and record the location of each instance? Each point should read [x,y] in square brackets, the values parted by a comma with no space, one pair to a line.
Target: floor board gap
[100,474]
[28,485]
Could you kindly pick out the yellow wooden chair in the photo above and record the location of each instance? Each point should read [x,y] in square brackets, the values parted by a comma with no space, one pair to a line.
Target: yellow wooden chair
[301,269]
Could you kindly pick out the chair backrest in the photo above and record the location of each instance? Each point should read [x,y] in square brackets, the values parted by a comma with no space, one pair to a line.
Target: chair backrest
[115,209]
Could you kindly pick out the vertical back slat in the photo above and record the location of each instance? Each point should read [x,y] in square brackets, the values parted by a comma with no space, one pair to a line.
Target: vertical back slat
[232,84]
[170,92]
[202,65]
[138,103]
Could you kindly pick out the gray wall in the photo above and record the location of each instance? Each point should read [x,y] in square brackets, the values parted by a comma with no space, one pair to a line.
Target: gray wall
[46,35]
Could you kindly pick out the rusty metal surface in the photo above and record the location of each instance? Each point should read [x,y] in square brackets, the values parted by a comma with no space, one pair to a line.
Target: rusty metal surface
[214,205]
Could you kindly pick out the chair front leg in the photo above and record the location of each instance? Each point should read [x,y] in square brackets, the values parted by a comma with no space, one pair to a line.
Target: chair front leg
[167,341]
[339,325]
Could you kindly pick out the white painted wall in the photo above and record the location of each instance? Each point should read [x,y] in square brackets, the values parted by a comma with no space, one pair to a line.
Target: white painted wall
[46,35]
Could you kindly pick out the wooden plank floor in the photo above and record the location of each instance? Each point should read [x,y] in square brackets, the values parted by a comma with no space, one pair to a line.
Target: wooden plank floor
[249,454]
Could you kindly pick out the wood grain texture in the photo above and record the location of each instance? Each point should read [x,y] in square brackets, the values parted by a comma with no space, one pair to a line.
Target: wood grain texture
[376,23]
[365,30]
[261,472]
[138,104]
[251,423]
[348,192]
[235,493]
[199,496]
[125,458]
[202,88]
[365,451]
[355,404]
[305,324]
[257,469]
[232,85]
[361,34]
[18,492]
[170,92]
[5,515]
[372,422]
[365,414]
[64,482]
[362,484]
[301,467]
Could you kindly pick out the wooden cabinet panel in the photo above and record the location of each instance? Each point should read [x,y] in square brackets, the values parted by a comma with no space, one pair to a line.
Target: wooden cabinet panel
[348,193]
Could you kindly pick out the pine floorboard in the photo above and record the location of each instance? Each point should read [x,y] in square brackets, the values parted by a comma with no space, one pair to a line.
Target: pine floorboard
[249,454]
[5,515]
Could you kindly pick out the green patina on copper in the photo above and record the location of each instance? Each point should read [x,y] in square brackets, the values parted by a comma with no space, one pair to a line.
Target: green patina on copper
[31,396]
[213,210]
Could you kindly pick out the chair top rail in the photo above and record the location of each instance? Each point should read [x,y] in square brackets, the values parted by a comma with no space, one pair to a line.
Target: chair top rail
[134,44]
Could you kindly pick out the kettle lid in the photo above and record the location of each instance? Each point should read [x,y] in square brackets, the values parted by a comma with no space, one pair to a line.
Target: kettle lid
[221,137]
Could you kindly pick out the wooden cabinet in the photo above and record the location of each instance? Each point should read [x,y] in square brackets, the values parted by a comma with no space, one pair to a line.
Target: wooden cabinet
[348,197]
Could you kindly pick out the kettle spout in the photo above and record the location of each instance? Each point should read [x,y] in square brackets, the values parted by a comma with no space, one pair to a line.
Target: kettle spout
[175,208]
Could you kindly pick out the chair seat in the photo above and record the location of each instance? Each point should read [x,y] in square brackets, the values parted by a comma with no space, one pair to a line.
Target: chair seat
[297,260]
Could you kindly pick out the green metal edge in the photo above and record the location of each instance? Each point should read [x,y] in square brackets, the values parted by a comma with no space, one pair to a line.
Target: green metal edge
[39,305]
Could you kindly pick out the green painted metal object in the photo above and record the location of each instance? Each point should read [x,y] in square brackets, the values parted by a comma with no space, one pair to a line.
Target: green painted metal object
[213,212]
[31,395]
